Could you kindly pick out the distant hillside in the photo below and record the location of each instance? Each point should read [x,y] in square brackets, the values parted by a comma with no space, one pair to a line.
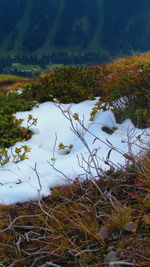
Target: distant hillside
[74,28]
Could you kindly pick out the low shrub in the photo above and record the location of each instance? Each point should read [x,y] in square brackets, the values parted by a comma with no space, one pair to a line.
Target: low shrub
[11,131]
[124,84]
[126,87]
[68,84]
[126,79]
[10,127]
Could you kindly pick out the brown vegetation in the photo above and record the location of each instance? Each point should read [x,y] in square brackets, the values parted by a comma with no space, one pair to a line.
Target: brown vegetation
[77,226]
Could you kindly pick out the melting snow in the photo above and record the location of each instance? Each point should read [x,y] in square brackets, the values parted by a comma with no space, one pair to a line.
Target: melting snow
[19,182]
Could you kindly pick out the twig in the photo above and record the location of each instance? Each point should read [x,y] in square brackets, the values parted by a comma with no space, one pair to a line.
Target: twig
[19,217]
[124,263]
[50,264]
[30,227]
[86,251]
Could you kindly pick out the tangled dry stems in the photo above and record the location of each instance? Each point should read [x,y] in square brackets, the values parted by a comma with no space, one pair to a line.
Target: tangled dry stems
[82,221]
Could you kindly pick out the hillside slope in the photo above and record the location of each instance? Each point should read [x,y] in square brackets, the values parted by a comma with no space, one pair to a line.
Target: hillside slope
[74,27]
[89,216]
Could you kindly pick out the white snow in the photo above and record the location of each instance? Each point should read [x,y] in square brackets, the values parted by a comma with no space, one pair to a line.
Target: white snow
[19,182]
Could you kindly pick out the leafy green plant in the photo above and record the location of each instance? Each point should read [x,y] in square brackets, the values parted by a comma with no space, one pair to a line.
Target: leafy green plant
[31,121]
[11,130]
[62,146]
[20,153]
[4,158]
[97,107]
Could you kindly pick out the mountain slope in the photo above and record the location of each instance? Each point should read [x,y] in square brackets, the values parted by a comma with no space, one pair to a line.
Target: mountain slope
[74,27]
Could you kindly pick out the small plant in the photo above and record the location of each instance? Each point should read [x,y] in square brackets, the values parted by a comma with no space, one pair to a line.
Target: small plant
[119,217]
[31,121]
[95,109]
[76,116]
[99,106]
[20,153]
[61,146]
[4,158]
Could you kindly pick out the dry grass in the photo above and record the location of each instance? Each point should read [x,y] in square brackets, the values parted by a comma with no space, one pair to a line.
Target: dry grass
[12,82]
[77,227]
[131,62]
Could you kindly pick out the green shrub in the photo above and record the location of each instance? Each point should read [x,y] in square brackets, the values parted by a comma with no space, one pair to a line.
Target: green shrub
[68,84]
[130,82]
[124,80]
[10,127]
[11,131]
